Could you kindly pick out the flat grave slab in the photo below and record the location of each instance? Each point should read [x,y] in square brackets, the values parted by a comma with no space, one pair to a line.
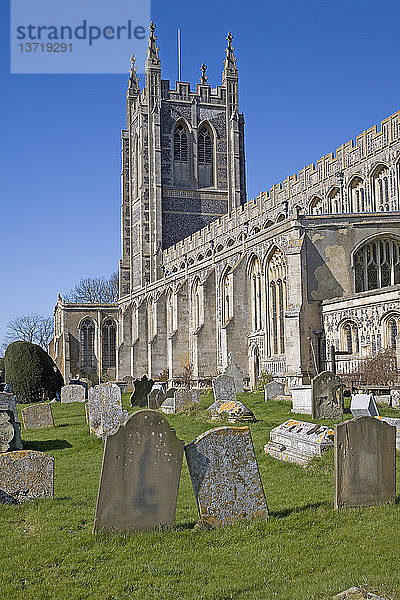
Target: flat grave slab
[299,441]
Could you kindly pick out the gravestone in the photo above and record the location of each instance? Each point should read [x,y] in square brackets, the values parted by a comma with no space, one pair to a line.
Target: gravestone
[232,370]
[365,462]
[327,396]
[140,475]
[84,384]
[112,415]
[357,593]
[298,441]
[37,416]
[302,399]
[224,388]
[273,389]
[363,405]
[10,436]
[225,477]
[156,396]
[395,397]
[235,411]
[176,400]
[72,393]
[94,411]
[9,402]
[143,387]
[26,475]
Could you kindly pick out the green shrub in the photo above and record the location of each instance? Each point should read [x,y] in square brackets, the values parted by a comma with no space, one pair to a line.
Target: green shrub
[2,370]
[30,372]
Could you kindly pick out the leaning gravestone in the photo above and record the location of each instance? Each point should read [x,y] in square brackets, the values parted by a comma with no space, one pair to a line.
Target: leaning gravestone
[143,387]
[140,475]
[363,405]
[37,416]
[327,396]
[9,402]
[26,475]
[365,462]
[112,415]
[10,436]
[273,389]
[235,411]
[225,478]
[72,393]
[232,370]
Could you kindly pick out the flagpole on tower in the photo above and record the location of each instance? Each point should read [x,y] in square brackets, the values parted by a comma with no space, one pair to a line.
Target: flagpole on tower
[179,55]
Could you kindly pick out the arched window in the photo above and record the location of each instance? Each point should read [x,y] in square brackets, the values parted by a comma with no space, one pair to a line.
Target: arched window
[357,196]
[315,207]
[171,312]
[197,305]
[135,323]
[227,296]
[151,320]
[255,277]
[380,188]
[181,155]
[205,157]
[377,264]
[276,275]
[349,337]
[334,201]
[109,343]
[87,330]
[391,329]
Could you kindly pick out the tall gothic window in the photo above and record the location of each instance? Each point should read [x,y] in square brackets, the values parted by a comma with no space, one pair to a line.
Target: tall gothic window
[255,277]
[316,207]
[227,296]
[357,202]
[109,343]
[380,185]
[205,157]
[276,275]
[196,305]
[391,329]
[87,330]
[181,155]
[334,201]
[349,337]
[151,320]
[377,264]
[171,312]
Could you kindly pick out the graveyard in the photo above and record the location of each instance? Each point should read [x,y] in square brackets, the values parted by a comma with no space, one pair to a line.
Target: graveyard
[303,549]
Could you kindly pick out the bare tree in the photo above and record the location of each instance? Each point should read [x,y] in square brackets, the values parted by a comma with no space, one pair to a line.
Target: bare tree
[30,328]
[96,289]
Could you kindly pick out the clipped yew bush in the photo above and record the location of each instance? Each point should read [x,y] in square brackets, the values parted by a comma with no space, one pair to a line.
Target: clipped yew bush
[30,372]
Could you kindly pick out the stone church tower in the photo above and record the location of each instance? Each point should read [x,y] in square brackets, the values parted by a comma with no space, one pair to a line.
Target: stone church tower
[183,163]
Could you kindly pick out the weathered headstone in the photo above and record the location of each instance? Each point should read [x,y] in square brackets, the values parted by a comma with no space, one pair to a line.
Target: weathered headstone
[37,416]
[81,382]
[298,441]
[112,415]
[327,396]
[395,397]
[363,405]
[176,400]
[140,475]
[224,388]
[10,436]
[156,396]
[232,370]
[9,402]
[26,475]
[235,411]
[72,393]
[94,411]
[225,477]
[302,399]
[365,462]
[273,389]
[143,387]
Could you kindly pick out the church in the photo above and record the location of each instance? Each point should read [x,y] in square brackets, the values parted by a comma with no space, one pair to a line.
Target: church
[309,265]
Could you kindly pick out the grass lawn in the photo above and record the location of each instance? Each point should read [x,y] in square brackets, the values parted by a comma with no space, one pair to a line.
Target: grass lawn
[305,550]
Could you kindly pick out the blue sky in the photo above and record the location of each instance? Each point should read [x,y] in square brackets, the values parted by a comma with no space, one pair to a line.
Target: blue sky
[313,75]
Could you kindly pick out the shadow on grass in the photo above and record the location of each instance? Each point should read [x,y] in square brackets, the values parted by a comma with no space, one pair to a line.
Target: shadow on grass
[44,445]
[298,509]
